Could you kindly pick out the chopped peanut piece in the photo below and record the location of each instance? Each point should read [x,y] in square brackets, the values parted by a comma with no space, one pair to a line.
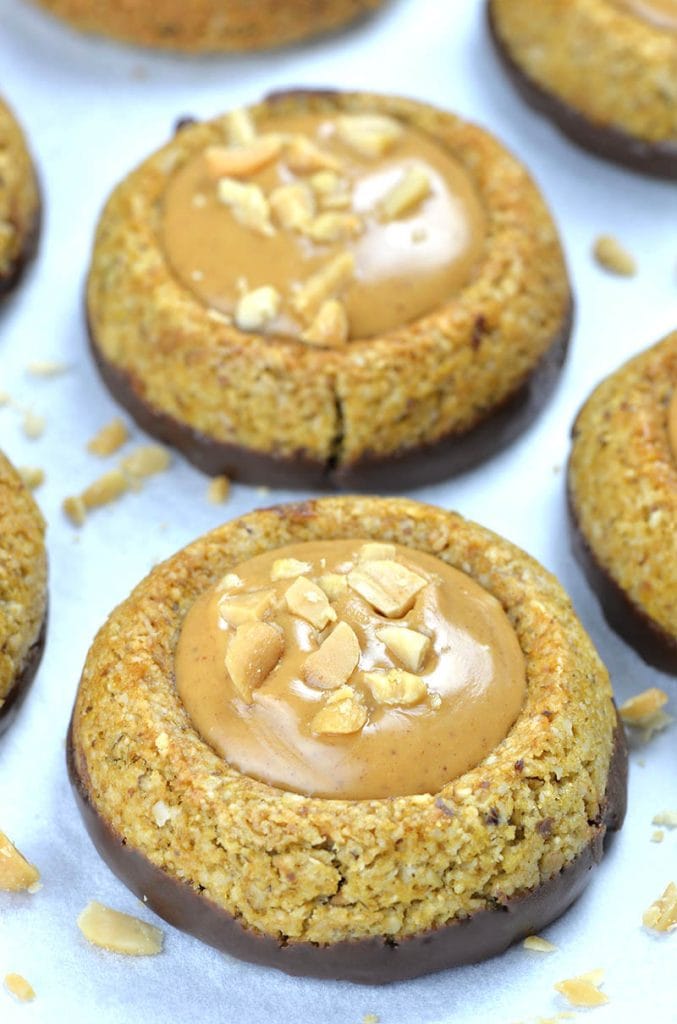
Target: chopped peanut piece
[408,646]
[240,127]
[331,190]
[370,135]
[334,585]
[218,490]
[303,156]
[376,552]
[288,568]
[293,205]
[330,326]
[32,476]
[333,226]
[74,507]
[657,836]
[146,460]
[120,933]
[666,818]
[538,945]
[395,686]
[248,205]
[106,489]
[231,581]
[335,660]
[611,255]
[583,990]
[33,425]
[236,609]
[21,989]
[47,368]
[16,873]
[109,439]
[645,711]
[257,308]
[323,285]
[241,161]
[252,654]
[405,195]
[388,586]
[342,714]
[305,599]
[662,915]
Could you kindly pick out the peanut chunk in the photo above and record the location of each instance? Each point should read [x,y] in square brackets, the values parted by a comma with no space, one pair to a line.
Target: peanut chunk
[333,226]
[146,460]
[120,933]
[407,645]
[19,988]
[386,585]
[243,160]
[105,489]
[248,205]
[376,552]
[32,476]
[16,873]
[641,709]
[218,490]
[538,945]
[583,990]
[252,654]
[236,609]
[661,916]
[335,660]
[257,308]
[325,284]
[240,127]
[666,818]
[342,714]
[303,156]
[288,568]
[334,585]
[395,686]
[406,194]
[611,255]
[331,190]
[305,599]
[47,368]
[109,439]
[74,508]
[330,326]
[33,425]
[293,205]
[370,135]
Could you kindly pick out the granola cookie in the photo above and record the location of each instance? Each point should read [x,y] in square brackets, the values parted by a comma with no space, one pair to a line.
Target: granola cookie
[310,874]
[19,202]
[623,499]
[605,71]
[330,289]
[210,25]
[23,590]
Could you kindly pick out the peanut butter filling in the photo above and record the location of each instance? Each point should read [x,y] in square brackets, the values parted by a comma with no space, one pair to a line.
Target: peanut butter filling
[662,13]
[322,228]
[672,424]
[350,669]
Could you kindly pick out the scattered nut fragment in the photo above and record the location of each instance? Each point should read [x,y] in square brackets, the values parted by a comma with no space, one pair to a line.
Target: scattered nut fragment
[330,327]
[243,160]
[293,205]
[305,599]
[376,552]
[666,818]
[288,568]
[370,1018]
[388,586]
[334,585]
[5,398]
[611,255]
[643,706]
[252,654]
[661,916]
[109,439]
[74,507]
[21,989]
[333,226]
[331,190]
[146,460]
[335,660]
[33,425]
[120,933]
[105,489]
[248,205]
[16,873]
[257,308]
[342,714]
[32,476]
[538,945]
[240,127]
[407,645]
[406,194]
[47,368]
[657,836]
[395,686]
[370,135]
[303,156]
[236,609]
[218,490]
[584,989]
[323,285]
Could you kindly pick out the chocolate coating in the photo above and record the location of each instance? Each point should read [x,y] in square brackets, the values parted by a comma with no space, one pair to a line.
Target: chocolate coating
[412,467]
[17,694]
[367,961]
[657,159]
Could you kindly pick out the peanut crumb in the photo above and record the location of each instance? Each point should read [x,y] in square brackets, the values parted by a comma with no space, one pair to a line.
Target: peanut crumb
[657,836]
[218,490]
[46,368]
[538,945]
[666,818]
[641,709]
[105,489]
[74,507]
[120,933]
[109,439]
[33,425]
[5,398]
[370,1018]
[146,460]
[661,916]
[611,255]
[16,873]
[32,476]
[21,989]
[583,990]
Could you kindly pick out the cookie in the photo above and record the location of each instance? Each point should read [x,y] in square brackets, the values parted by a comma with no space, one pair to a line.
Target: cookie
[622,482]
[19,202]
[330,289]
[604,71]
[210,25]
[423,753]
[23,590]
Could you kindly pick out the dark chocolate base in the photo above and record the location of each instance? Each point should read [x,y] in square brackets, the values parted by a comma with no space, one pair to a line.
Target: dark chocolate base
[657,647]
[17,694]
[657,159]
[11,278]
[368,961]
[408,468]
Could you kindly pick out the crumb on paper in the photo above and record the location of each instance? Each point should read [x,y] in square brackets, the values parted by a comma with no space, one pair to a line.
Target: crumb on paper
[583,990]
[263,490]
[109,439]
[105,489]
[645,711]
[32,476]
[74,508]
[661,916]
[657,836]
[5,398]
[146,460]
[666,818]
[47,368]
[370,1018]
[611,255]
[538,944]
[19,988]
[33,425]
[118,932]
[218,490]
[16,873]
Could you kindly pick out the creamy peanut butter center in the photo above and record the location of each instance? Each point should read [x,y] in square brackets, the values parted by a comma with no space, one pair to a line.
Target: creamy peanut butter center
[322,228]
[662,13]
[350,669]
[672,424]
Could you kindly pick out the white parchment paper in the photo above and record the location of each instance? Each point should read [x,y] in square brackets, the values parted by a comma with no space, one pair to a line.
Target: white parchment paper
[93,110]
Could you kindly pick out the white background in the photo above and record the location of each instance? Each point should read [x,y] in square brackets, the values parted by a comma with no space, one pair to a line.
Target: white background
[93,110]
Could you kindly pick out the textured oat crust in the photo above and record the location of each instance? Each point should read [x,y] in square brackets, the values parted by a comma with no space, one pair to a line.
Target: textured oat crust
[320,412]
[606,77]
[210,25]
[312,871]
[19,202]
[623,499]
[23,589]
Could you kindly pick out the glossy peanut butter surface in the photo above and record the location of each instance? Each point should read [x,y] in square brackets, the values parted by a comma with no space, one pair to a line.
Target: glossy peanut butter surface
[404,266]
[471,678]
[662,13]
